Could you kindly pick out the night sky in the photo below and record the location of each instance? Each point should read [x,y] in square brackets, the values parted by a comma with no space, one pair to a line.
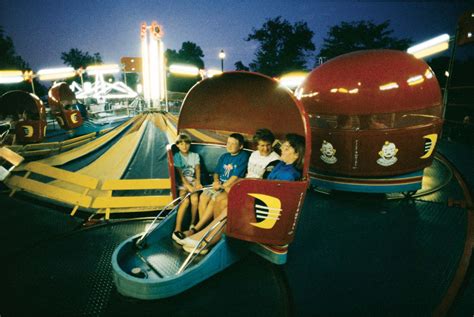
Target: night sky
[41,30]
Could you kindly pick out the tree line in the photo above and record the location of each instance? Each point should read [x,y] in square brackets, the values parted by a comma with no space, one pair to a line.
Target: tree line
[281,47]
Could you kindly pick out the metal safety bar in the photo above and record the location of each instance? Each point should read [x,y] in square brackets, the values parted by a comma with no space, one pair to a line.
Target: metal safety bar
[180,199]
[198,248]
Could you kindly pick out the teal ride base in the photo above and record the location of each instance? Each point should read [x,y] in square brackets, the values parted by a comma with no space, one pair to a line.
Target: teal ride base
[151,272]
[404,183]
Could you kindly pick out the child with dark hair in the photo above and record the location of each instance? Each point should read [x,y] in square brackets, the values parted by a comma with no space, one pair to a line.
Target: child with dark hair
[292,156]
[188,166]
[262,160]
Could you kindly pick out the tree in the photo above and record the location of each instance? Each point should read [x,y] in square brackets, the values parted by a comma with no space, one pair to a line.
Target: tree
[283,47]
[8,57]
[240,66]
[360,35]
[191,54]
[77,59]
[10,60]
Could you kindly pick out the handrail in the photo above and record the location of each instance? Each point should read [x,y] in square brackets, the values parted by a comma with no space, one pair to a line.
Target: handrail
[11,158]
[140,240]
[5,133]
[198,248]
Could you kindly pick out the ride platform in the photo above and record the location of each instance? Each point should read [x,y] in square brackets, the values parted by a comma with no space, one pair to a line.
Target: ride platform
[354,254]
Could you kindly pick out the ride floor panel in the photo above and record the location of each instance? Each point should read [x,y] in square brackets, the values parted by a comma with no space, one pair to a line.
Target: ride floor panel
[374,258]
[167,256]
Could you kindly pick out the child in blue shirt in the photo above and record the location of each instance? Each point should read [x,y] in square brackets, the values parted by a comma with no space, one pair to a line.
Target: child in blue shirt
[188,166]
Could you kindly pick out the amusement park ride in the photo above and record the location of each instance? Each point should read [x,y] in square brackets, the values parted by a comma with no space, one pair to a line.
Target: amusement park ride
[371,121]
[376,117]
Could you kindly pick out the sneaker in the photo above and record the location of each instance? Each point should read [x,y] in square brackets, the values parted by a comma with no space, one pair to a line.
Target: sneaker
[189,242]
[179,237]
[190,249]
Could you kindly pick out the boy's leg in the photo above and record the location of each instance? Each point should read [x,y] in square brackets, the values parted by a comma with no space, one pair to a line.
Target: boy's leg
[205,217]
[201,233]
[203,201]
[194,207]
[181,210]
[221,204]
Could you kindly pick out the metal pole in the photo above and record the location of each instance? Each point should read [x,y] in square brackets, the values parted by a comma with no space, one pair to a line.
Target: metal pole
[33,86]
[82,85]
[450,72]
[222,56]
[166,92]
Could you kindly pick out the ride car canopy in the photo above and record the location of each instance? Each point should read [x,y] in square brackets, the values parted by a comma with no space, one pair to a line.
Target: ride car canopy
[242,102]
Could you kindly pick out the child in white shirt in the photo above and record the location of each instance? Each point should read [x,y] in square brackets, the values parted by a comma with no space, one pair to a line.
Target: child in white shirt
[259,161]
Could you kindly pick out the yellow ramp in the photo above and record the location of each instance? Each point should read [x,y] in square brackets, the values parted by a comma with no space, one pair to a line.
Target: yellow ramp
[82,182]
[93,185]
[77,152]
[112,164]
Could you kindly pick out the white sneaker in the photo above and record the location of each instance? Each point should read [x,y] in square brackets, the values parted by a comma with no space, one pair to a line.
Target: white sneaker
[179,237]
[190,249]
[189,242]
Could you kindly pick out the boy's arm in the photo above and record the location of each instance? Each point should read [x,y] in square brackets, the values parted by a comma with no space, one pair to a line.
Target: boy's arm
[216,185]
[228,183]
[186,184]
[198,176]
[180,172]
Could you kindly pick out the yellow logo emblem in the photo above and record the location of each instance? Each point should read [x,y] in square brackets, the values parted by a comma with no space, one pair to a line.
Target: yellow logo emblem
[27,131]
[267,208]
[430,143]
[74,118]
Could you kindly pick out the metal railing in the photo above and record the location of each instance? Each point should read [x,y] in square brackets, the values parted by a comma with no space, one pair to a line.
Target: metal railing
[140,241]
[203,243]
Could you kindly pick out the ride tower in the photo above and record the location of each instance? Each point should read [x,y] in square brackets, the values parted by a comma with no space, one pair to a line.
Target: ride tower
[153,64]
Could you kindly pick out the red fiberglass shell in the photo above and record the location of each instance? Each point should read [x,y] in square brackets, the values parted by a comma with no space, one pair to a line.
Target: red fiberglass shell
[244,102]
[28,113]
[59,96]
[370,82]
[17,103]
[60,99]
[372,114]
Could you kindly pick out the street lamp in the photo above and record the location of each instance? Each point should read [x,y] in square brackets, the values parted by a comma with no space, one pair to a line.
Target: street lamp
[222,56]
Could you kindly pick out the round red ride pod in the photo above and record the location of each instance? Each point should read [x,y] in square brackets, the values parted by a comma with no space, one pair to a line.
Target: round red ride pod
[27,113]
[362,101]
[61,99]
